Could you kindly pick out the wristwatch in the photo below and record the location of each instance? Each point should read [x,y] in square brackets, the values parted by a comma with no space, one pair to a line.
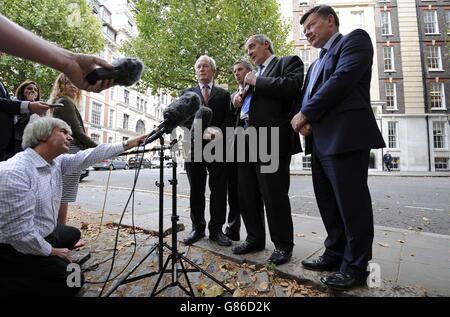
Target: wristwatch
[125,144]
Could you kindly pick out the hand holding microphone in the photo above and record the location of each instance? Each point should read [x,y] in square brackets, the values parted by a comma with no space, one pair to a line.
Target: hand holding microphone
[125,72]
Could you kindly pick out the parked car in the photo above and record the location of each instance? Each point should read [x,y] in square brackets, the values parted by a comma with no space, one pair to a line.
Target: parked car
[155,162]
[133,163]
[84,174]
[111,164]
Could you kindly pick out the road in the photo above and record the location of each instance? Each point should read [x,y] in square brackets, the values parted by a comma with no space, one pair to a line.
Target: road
[415,203]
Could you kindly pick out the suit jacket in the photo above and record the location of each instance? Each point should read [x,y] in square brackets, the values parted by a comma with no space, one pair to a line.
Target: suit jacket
[276,97]
[8,108]
[219,102]
[339,107]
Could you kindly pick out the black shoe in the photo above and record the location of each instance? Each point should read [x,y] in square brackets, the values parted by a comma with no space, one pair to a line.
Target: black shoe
[344,281]
[233,235]
[321,264]
[279,257]
[194,236]
[247,247]
[220,238]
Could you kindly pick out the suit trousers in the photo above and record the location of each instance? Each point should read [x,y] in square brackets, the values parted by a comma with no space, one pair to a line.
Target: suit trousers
[197,173]
[234,213]
[270,190]
[33,275]
[343,198]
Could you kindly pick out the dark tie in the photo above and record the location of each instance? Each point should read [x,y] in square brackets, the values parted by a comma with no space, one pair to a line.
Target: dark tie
[314,74]
[205,93]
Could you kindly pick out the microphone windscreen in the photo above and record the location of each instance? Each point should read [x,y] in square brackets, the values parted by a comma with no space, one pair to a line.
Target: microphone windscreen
[205,115]
[126,72]
[181,111]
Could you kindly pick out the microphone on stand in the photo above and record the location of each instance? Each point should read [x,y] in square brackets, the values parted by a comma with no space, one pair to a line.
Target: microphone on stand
[178,113]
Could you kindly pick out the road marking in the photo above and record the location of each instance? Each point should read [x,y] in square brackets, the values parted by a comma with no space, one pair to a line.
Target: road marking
[413,207]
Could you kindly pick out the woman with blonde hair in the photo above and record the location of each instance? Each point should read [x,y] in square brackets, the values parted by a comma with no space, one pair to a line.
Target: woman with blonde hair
[66,93]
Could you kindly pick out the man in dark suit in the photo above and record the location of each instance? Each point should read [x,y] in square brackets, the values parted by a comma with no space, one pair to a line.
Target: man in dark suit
[340,128]
[218,100]
[9,109]
[273,91]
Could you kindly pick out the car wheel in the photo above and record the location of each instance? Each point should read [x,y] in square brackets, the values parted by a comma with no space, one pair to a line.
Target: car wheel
[111,167]
[126,167]
[96,168]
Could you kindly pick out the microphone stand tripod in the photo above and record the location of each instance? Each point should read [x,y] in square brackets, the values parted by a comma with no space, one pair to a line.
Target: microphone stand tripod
[174,256]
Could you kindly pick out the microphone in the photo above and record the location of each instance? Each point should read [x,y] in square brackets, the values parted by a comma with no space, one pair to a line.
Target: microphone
[203,116]
[178,113]
[126,72]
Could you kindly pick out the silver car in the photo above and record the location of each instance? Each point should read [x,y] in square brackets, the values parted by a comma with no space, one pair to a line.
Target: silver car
[111,164]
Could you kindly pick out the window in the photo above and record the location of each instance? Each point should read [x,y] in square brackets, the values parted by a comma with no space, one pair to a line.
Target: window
[357,20]
[305,55]
[140,127]
[392,134]
[112,93]
[141,108]
[384,0]
[110,139]
[395,163]
[388,57]
[106,15]
[434,61]
[125,139]
[126,96]
[391,96]
[126,119]
[386,26]
[96,114]
[138,99]
[306,162]
[303,3]
[437,97]
[110,32]
[441,163]
[430,21]
[145,106]
[439,134]
[95,137]
[111,118]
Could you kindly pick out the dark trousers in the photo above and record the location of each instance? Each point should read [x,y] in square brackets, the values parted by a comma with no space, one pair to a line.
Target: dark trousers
[270,190]
[32,275]
[343,198]
[197,173]
[234,214]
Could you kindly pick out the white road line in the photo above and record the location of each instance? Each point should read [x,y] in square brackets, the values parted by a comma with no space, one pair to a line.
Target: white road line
[413,207]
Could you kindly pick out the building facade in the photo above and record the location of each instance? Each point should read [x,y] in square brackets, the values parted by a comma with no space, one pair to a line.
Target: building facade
[410,76]
[119,113]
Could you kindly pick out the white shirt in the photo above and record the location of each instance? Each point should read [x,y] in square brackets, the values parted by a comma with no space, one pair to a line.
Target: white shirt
[30,194]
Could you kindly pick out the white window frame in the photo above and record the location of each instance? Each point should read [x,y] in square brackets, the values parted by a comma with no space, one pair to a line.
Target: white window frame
[447,20]
[96,105]
[394,136]
[394,96]
[441,95]
[438,57]
[441,169]
[111,118]
[389,23]
[95,137]
[127,117]
[306,162]
[305,55]
[389,49]
[303,3]
[433,21]
[439,135]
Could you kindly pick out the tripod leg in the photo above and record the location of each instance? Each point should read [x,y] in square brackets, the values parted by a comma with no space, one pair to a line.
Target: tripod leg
[154,292]
[185,275]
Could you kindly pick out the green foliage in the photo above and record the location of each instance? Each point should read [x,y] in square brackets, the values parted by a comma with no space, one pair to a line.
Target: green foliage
[173,33]
[67,23]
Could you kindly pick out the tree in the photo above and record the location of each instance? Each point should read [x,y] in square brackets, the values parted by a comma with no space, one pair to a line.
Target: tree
[67,23]
[173,33]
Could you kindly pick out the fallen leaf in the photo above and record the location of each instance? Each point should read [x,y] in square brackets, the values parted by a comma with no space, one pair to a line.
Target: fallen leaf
[400,241]
[213,291]
[238,293]
[201,287]
[382,244]
[313,232]
[300,235]
[412,254]
[284,284]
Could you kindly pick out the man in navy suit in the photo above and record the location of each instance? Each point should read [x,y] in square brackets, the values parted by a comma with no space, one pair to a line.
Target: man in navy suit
[218,100]
[337,119]
[8,110]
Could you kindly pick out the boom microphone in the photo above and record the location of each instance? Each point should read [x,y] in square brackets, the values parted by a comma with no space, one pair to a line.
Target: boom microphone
[203,116]
[178,113]
[126,72]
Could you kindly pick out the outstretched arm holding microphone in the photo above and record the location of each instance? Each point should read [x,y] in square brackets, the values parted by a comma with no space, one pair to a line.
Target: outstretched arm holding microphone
[22,43]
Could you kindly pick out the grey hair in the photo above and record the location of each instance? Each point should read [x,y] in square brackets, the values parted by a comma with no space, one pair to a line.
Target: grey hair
[41,129]
[262,39]
[211,60]
[244,63]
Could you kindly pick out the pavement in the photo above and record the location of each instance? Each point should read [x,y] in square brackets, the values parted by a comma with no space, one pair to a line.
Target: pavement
[409,263]
[386,173]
